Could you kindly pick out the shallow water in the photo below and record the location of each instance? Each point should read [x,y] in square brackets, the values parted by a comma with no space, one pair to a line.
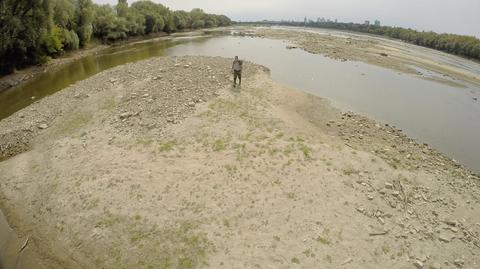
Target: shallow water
[443,116]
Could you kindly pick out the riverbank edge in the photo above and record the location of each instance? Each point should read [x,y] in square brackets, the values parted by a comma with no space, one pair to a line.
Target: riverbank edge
[22,76]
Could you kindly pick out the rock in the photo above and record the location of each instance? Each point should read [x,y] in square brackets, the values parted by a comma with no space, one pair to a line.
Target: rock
[113,80]
[444,238]
[191,104]
[418,264]
[436,265]
[125,115]
[395,193]
[383,54]
[459,262]
[43,126]
[388,186]
[451,222]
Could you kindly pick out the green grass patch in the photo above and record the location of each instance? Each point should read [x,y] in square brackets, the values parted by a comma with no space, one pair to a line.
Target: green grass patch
[306,150]
[323,240]
[144,141]
[167,146]
[219,144]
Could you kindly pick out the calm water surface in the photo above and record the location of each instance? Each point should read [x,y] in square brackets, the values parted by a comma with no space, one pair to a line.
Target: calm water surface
[443,116]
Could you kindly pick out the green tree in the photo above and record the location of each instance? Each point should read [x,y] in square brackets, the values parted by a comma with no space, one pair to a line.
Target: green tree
[24,25]
[153,14]
[84,20]
[122,8]
[182,19]
[64,13]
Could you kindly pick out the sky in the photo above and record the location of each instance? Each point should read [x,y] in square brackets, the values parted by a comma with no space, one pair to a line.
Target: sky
[452,16]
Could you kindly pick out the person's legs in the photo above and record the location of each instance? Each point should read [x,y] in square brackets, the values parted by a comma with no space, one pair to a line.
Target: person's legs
[237,74]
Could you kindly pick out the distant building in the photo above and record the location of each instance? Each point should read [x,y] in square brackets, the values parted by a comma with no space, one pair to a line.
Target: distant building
[377,23]
[367,23]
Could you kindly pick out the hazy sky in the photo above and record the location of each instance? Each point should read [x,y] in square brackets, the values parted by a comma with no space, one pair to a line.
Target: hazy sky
[454,16]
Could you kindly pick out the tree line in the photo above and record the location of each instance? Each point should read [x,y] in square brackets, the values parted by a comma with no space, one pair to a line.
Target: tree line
[467,46]
[33,31]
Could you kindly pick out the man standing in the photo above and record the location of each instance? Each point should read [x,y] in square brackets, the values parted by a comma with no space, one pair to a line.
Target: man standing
[237,71]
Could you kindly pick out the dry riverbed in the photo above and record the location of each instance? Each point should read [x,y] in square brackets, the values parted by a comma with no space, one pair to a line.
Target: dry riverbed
[163,164]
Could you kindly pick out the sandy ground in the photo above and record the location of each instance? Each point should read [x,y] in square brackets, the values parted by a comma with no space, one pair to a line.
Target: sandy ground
[163,164]
[387,53]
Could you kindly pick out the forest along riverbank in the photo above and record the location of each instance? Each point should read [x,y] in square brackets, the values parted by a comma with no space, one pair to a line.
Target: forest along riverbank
[24,75]
[161,163]
[391,54]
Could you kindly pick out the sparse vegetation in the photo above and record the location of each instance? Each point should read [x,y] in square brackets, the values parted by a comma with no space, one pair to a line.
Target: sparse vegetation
[322,240]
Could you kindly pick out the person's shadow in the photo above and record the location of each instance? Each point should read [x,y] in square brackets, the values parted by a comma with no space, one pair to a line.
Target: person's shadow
[236,88]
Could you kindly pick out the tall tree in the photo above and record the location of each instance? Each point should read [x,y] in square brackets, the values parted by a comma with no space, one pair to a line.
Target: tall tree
[122,8]
[84,19]
[23,27]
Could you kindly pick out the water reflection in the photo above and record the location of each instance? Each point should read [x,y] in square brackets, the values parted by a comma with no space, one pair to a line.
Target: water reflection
[50,82]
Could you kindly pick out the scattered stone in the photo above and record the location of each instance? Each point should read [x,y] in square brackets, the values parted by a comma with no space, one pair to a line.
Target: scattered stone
[436,265]
[360,209]
[418,264]
[43,126]
[451,222]
[388,186]
[444,238]
[378,233]
[125,115]
[459,262]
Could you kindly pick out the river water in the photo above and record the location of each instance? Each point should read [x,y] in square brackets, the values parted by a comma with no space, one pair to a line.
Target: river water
[445,117]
